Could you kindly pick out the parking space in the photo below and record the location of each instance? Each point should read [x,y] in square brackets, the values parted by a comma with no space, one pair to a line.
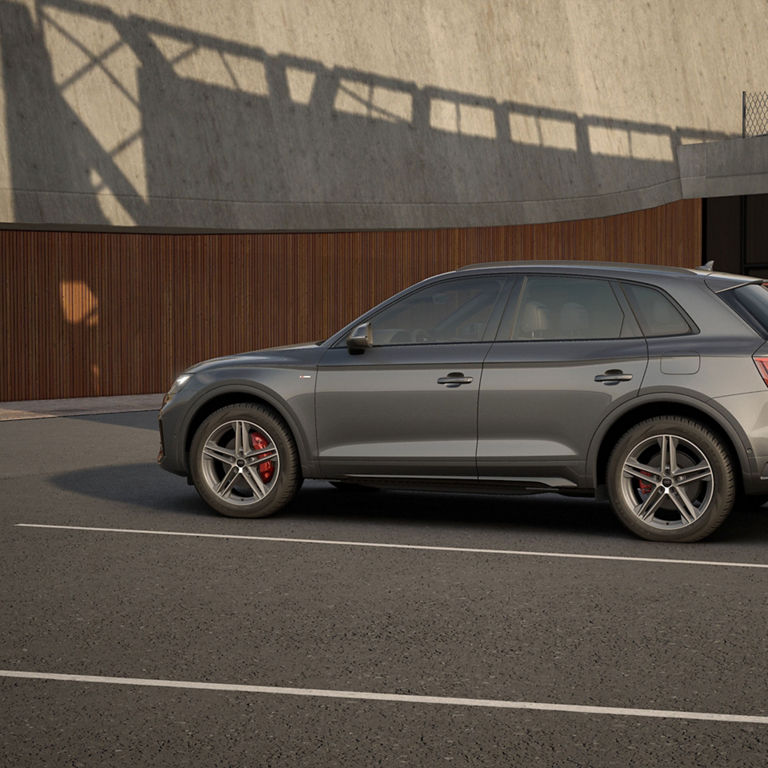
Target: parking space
[413,629]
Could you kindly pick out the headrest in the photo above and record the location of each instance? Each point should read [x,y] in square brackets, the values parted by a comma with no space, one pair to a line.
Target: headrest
[534,320]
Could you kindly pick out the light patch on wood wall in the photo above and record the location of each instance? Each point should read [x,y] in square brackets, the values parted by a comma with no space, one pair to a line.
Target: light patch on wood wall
[78,303]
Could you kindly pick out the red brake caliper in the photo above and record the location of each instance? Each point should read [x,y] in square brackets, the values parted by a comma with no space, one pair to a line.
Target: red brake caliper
[645,488]
[266,469]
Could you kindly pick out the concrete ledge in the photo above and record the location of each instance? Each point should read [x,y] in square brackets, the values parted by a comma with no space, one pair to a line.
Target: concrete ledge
[184,215]
[724,168]
[77,406]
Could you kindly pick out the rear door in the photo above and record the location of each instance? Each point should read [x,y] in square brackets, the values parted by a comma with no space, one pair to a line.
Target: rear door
[568,352]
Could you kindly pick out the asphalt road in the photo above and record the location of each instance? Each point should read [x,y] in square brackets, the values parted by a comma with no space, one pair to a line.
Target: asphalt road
[477,622]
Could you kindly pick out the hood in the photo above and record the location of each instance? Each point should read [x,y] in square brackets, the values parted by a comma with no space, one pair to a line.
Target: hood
[294,355]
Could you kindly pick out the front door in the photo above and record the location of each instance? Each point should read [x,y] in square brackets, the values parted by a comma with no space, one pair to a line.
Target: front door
[407,407]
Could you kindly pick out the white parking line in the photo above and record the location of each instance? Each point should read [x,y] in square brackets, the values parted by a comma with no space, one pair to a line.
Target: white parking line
[421,547]
[398,697]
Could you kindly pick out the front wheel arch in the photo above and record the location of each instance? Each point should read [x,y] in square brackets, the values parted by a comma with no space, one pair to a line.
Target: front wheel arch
[220,399]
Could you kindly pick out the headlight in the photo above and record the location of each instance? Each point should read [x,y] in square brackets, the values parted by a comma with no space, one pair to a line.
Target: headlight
[176,386]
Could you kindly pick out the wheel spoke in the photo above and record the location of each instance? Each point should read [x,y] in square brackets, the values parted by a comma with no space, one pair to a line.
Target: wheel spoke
[238,442]
[646,510]
[688,512]
[241,438]
[257,457]
[253,479]
[664,445]
[701,471]
[672,453]
[224,488]
[645,472]
[217,453]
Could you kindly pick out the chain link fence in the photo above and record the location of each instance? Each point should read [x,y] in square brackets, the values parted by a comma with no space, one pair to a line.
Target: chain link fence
[754,113]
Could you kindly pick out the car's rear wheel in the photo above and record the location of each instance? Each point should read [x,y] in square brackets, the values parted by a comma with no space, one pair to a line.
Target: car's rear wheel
[671,479]
[244,461]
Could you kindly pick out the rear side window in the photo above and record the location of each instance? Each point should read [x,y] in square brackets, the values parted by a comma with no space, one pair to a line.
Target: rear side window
[566,308]
[656,313]
[751,303]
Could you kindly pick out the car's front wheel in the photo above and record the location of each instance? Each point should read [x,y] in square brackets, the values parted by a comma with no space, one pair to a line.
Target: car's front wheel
[671,479]
[244,461]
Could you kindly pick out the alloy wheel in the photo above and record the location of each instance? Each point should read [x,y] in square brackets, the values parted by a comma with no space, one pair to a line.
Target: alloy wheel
[667,482]
[240,462]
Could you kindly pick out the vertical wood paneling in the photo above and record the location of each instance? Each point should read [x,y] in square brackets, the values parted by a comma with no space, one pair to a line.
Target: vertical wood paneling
[121,313]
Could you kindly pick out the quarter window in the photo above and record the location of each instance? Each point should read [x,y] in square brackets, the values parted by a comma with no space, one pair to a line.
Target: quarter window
[657,315]
[564,308]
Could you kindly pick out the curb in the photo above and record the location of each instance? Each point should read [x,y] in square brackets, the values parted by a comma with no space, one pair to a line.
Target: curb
[78,406]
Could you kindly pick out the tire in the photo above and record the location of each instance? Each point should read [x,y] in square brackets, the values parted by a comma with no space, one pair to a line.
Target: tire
[686,499]
[244,461]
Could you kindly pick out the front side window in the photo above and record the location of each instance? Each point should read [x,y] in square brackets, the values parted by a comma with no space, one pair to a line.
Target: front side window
[452,311]
[566,308]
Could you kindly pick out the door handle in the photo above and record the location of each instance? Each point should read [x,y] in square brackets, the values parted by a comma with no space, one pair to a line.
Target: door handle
[455,379]
[613,377]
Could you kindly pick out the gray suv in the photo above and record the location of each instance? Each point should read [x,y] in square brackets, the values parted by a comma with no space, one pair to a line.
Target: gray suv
[642,383]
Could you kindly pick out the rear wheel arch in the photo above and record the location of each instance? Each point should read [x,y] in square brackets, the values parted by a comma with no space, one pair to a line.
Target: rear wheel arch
[612,431]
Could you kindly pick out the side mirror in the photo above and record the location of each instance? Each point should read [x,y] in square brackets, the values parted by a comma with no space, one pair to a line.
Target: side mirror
[360,339]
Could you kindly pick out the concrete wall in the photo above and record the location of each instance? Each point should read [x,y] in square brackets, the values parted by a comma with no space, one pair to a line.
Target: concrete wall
[347,114]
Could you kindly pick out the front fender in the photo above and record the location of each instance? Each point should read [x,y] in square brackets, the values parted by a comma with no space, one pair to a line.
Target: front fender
[290,392]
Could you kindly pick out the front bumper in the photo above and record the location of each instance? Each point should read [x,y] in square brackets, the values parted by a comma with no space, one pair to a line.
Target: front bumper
[171,454]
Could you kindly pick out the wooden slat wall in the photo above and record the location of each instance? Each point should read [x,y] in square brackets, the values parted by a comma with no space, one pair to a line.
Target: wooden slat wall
[87,314]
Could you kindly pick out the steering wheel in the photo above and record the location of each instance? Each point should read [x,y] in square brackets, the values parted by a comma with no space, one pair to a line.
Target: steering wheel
[421,335]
